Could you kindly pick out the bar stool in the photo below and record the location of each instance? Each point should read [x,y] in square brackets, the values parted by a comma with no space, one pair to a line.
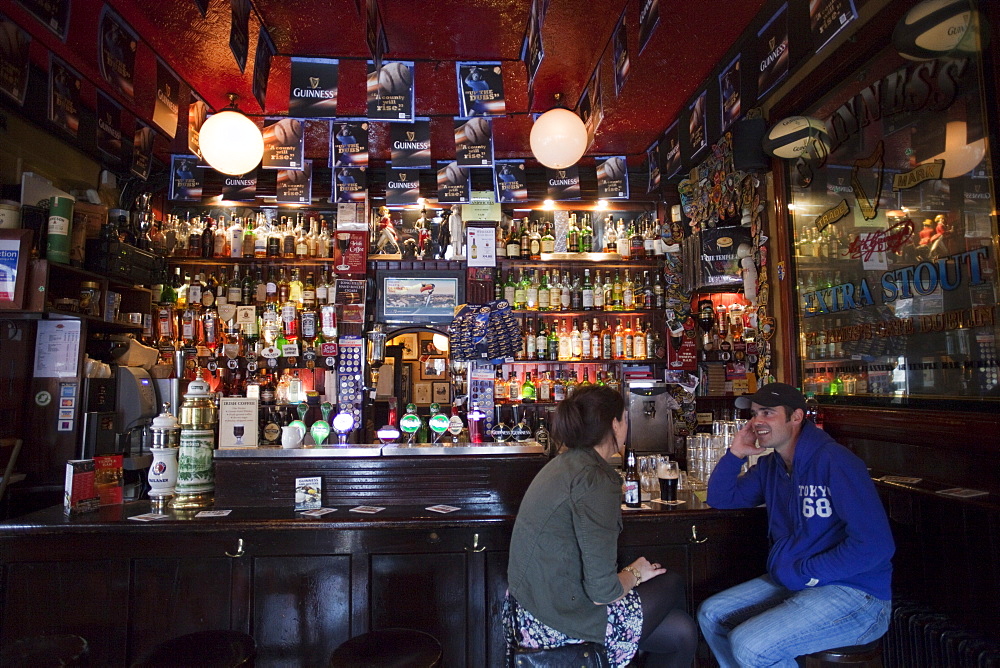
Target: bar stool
[868,655]
[44,651]
[388,648]
[205,649]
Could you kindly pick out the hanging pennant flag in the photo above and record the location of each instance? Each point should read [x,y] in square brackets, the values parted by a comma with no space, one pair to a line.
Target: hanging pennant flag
[402,186]
[14,61]
[829,17]
[239,31]
[612,177]
[54,14]
[410,145]
[772,55]
[350,184]
[262,65]
[591,109]
[670,149]
[167,99]
[729,92]
[197,113]
[649,18]
[622,63]
[284,144]
[295,185]
[563,183]
[697,139]
[109,127]
[390,91]
[480,89]
[313,91]
[239,188]
[653,164]
[453,184]
[474,142]
[186,178]
[511,182]
[116,46]
[142,150]
[65,85]
[350,144]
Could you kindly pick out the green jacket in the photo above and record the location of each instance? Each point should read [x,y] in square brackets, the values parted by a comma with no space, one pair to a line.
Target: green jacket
[563,552]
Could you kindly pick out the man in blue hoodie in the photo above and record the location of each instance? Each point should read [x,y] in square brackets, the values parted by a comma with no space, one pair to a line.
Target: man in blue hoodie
[828,570]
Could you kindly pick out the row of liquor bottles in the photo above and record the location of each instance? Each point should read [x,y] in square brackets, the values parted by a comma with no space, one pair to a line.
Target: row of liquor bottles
[551,290]
[287,237]
[306,289]
[827,243]
[527,240]
[547,386]
[626,339]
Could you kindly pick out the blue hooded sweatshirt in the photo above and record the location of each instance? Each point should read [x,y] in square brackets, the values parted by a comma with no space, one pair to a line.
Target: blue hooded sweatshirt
[825,520]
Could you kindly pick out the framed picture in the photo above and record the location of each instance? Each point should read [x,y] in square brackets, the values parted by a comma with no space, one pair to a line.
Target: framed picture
[433,368]
[422,393]
[442,392]
[409,343]
[427,347]
[415,296]
[405,376]
[15,246]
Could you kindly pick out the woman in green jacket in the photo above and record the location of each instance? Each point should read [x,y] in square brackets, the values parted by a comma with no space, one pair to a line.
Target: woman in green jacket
[564,584]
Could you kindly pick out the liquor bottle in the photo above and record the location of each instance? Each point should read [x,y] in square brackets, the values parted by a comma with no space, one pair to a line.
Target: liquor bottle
[636,243]
[295,289]
[500,242]
[622,243]
[542,437]
[194,292]
[309,292]
[631,486]
[586,243]
[566,292]
[528,389]
[629,350]
[555,292]
[545,388]
[565,348]
[263,290]
[586,377]
[543,292]
[273,241]
[553,343]
[607,342]
[586,339]
[618,349]
[587,292]
[510,289]
[648,293]
[531,292]
[608,291]
[541,342]
[628,293]
[234,288]
[260,238]
[529,343]
[576,341]
[521,293]
[535,244]
[658,292]
[617,293]
[610,237]
[501,391]
[323,242]
[288,241]
[208,238]
[558,388]
[638,342]
[283,287]
[572,235]
[598,290]
[513,388]
[514,243]
[301,242]
[221,245]
[571,383]
[548,240]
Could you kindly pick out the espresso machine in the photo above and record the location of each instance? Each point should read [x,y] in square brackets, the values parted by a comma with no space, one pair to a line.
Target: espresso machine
[651,417]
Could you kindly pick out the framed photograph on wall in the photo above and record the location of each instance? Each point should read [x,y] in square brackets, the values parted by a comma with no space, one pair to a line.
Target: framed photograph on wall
[405,382]
[411,351]
[442,392]
[422,393]
[412,296]
[433,368]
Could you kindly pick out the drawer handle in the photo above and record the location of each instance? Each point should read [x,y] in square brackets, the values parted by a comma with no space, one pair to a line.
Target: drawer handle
[476,547]
[694,535]
[433,538]
[239,550]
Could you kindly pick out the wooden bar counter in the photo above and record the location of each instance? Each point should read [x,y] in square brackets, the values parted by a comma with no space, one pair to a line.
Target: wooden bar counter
[302,586]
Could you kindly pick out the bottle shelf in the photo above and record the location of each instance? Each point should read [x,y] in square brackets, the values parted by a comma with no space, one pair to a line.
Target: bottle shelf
[596,259]
[624,360]
[594,312]
[312,261]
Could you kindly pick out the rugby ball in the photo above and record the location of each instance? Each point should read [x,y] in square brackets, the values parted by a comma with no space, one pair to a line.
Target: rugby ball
[614,168]
[797,137]
[935,28]
[395,78]
[477,130]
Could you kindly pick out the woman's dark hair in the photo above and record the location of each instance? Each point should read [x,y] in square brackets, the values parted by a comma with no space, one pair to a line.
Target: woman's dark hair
[584,419]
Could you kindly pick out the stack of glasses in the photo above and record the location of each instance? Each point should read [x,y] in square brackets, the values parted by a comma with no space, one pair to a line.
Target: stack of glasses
[705,450]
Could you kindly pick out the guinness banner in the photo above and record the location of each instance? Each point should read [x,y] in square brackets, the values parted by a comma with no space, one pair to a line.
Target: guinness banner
[532,50]
[14,62]
[670,149]
[284,144]
[350,184]
[453,184]
[262,65]
[116,46]
[649,17]
[474,142]
[167,96]
[142,150]
[186,178]
[829,17]
[592,105]
[480,89]
[109,127]
[313,91]
[563,183]
[239,188]
[697,133]
[512,184]
[410,145]
[53,14]
[402,186]
[350,144]
[64,95]
[295,185]
[729,92]
[622,63]
[239,31]
[772,57]
[197,113]
[390,91]
[612,177]
[653,163]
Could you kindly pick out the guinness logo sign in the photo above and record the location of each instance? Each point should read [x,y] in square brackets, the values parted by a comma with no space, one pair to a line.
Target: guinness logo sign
[410,136]
[562,173]
[770,43]
[314,82]
[402,176]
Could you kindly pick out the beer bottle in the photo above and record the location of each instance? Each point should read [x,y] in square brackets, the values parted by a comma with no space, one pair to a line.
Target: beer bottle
[633,498]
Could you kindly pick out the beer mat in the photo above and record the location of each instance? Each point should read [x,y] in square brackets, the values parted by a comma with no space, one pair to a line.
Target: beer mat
[442,508]
[367,510]
[213,513]
[644,506]
[669,503]
[962,492]
[149,517]
[318,512]
[902,479]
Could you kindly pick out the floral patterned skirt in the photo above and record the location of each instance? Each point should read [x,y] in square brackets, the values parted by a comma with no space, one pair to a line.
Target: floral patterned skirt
[621,637]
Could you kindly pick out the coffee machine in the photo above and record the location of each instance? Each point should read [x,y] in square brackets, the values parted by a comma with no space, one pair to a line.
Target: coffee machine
[117,410]
[651,417]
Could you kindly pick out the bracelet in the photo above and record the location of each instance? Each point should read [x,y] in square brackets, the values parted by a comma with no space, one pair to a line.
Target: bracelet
[635,573]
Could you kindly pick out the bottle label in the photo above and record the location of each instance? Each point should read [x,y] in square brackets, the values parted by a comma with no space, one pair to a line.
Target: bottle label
[631,492]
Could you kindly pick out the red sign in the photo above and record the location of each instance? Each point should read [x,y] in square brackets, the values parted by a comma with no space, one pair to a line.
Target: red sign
[350,252]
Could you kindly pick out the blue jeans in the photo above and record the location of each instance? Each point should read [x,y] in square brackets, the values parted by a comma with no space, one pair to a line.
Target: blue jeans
[760,623]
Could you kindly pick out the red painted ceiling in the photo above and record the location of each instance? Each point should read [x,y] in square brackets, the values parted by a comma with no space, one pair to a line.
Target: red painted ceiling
[690,40]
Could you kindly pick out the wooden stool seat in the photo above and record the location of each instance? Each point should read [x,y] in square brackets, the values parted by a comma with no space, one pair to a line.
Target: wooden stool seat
[388,648]
[206,649]
[868,655]
[45,651]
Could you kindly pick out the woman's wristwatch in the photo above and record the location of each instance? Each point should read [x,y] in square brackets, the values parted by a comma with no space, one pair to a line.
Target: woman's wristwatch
[635,573]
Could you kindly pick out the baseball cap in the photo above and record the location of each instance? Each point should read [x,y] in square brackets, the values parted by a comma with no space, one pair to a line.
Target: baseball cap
[774,394]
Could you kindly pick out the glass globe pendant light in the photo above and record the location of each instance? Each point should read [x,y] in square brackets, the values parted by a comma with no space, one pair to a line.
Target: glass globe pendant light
[558,138]
[230,142]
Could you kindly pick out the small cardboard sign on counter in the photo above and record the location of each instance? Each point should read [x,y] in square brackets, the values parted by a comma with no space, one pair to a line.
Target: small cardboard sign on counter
[308,493]
[237,422]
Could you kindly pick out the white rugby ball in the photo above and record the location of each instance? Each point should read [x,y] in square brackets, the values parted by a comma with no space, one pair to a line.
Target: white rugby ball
[797,137]
[395,78]
[935,28]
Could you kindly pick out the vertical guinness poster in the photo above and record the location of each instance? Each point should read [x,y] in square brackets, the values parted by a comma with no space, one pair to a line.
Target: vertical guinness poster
[772,56]
[829,17]
[653,163]
[350,144]
[592,105]
[262,65]
[167,97]
[512,182]
[294,186]
[313,91]
[453,184]
[65,85]
[402,186]
[54,14]
[563,183]
[186,178]
[142,150]
[410,145]
[649,17]
[532,51]
[14,62]
[197,113]
[116,45]
[350,184]
[670,148]
[697,132]
[480,89]
[239,31]
[109,127]
[390,91]
[612,177]
[284,144]
[474,142]
[622,63]
[729,92]
[239,188]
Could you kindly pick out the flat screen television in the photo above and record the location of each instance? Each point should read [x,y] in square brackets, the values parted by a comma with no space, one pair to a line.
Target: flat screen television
[417,296]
